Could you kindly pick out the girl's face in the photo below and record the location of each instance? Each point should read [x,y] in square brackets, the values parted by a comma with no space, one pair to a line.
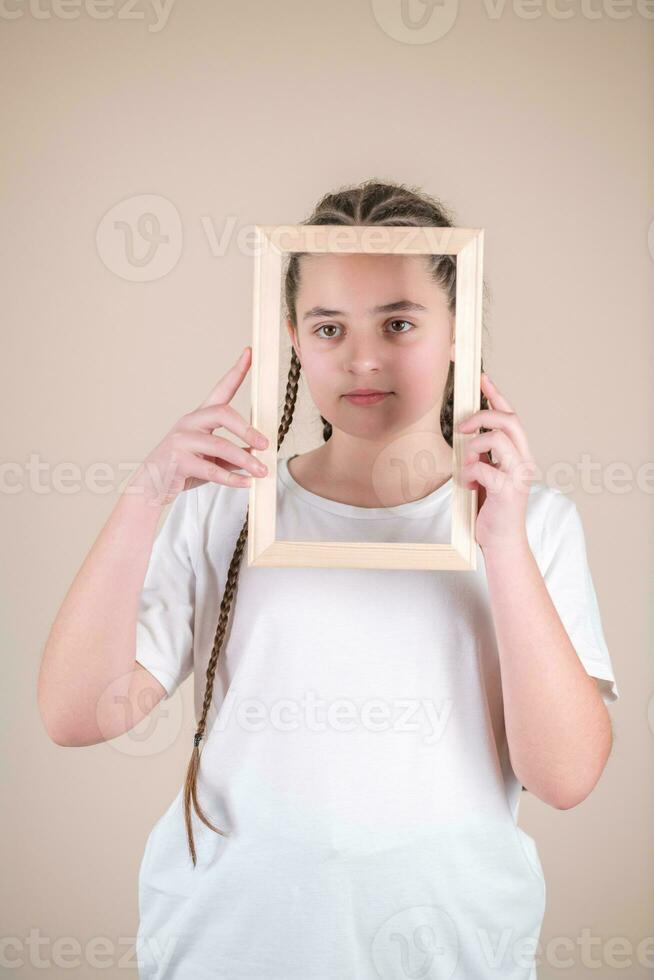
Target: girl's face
[373,321]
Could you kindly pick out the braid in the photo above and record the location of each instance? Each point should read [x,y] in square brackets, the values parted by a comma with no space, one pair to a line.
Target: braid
[370,203]
[326,428]
[190,785]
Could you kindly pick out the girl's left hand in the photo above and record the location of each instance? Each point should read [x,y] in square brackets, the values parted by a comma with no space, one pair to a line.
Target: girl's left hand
[503,487]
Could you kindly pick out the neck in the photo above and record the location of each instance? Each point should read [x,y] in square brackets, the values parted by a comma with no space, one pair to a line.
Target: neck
[387,472]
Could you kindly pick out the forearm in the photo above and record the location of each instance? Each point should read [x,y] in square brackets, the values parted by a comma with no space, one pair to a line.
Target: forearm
[558,728]
[91,645]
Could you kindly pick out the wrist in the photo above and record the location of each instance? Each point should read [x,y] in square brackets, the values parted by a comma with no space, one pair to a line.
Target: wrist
[509,548]
[144,492]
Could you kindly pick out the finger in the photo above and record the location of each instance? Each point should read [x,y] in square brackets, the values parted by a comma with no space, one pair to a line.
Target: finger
[229,384]
[201,468]
[212,417]
[221,450]
[503,448]
[488,476]
[493,393]
[225,462]
[495,419]
[468,480]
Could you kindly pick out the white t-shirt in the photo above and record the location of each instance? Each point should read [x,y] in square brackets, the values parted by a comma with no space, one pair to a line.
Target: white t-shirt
[355,750]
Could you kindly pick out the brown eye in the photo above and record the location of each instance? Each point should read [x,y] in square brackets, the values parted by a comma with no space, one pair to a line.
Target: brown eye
[402,321]
[326,326]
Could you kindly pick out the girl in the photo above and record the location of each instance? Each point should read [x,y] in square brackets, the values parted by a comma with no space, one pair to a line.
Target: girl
[350,806]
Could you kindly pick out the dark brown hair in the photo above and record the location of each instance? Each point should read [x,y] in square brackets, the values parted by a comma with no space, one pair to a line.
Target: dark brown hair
[369,203]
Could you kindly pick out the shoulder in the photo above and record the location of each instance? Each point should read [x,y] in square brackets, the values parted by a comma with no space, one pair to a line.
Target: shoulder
[545,500]
[218,508]
[549,512]
[555,531]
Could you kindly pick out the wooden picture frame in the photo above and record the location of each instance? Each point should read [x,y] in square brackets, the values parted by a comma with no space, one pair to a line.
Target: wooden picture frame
[273,242]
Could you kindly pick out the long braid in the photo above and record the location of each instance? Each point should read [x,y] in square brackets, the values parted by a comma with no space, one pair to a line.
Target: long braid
[370,203]
[190,785]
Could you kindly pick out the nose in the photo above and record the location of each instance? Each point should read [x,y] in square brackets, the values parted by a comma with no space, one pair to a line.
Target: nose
[363,356]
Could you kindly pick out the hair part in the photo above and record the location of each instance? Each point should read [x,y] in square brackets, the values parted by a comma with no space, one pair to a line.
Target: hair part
[369,203]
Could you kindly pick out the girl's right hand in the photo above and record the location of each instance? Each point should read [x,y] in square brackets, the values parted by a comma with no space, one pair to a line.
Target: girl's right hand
[189,455]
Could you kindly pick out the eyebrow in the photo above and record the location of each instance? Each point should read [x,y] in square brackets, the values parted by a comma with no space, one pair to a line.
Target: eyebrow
[399,306]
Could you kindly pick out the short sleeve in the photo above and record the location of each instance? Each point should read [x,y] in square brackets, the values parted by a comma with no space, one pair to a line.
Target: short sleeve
[164,628]
[563,563]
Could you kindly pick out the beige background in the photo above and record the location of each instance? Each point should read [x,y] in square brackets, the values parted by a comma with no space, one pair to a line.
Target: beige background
[530,123]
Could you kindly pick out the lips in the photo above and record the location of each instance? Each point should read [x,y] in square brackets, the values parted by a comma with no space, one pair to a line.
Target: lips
[367,391]
[370,398]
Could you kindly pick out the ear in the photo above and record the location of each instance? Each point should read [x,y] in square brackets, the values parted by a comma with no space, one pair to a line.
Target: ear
[293,336]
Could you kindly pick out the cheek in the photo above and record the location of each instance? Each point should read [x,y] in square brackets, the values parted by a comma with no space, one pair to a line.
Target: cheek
[321,375]
[421,376]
